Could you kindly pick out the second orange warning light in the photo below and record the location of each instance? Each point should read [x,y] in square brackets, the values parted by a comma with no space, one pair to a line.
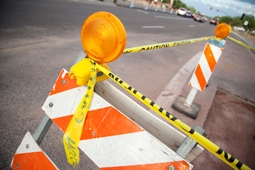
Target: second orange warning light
[222,30]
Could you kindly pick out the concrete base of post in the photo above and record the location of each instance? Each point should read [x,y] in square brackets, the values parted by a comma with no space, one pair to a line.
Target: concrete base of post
[191,111]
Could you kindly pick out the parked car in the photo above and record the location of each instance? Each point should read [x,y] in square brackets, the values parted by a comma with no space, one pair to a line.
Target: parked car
[214,21]
[200,18]
[188,14]
[181,11]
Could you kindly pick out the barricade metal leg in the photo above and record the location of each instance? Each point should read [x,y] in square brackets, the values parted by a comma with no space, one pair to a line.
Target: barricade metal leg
[42,129]
[46,122]
[188,143]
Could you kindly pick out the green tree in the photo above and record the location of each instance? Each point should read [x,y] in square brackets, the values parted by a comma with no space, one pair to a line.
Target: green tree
[192,9]
[251,22]
[226,19]
[179,4]
[236,21]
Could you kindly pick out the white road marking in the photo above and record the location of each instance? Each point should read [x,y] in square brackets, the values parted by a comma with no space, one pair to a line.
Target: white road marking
[192,26]
[178,18]
[143,11]
[153,26]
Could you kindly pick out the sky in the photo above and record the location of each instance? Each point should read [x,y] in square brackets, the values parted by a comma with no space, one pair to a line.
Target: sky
[226,7]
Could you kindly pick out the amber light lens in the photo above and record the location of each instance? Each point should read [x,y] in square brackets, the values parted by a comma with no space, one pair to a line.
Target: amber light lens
[103,37]
[222,30]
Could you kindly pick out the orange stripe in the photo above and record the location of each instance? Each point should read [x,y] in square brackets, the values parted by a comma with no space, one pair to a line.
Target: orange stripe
[210,57]
[101,123]
[62,122]
[63,84]
[33,160]
[200,77]
[178,165]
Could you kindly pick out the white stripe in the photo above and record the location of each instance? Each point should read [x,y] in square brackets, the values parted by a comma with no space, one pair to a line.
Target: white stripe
[205,67]
[194,82]
[129,149]
[178,18]
[153,26]
[142,11]
[28,145]
[204,63]
[65,103]
[216,52]
[64,74]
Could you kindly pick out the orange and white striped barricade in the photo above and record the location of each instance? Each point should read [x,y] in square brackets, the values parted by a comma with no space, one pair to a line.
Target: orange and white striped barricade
[200,77]
[203,71]
[206,64]
[30,156]
[109,138]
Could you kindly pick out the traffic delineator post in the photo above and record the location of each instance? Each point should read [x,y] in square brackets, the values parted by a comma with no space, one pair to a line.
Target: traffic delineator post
[206,64]
[203,71]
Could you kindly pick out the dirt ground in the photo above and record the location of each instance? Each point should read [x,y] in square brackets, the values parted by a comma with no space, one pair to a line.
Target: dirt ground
[230,125]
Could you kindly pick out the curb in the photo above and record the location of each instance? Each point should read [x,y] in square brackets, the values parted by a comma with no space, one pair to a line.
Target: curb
[244,40]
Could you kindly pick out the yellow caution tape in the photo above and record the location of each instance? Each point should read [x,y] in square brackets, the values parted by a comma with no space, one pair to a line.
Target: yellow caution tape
[240,43]
[164,45]
[210,146]
[73,132]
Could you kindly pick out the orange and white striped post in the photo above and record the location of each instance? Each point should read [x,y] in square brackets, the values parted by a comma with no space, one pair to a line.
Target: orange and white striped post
[207,62]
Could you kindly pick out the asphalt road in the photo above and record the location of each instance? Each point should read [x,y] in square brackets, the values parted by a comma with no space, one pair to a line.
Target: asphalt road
[39,38]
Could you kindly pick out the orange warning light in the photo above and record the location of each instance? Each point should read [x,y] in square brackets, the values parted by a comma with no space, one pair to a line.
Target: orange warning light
[222,30]
[103,37]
